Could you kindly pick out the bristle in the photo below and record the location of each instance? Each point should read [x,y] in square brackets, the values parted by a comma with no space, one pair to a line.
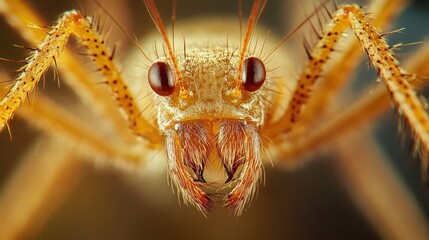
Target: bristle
[131,37]
[319,36]
[307,49]
[56,72]
[295,30]
[327,10]
[182,179]
[195,141]
[229,147]
[392,32]
[239,144]
[113,52]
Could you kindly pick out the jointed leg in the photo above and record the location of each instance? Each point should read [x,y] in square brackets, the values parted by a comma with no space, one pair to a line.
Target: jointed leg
[337,75]
[77,24]
[358,170]
[365,110]
[45,177]
[395,78]
[18,14]
[318,59]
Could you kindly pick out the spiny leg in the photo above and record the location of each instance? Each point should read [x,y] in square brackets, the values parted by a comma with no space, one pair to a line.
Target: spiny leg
[394,77]
[375,200]
[317,60]
[312,72]
[336,75]
[373,105]
[74,23]
[18,14]
[355,167]
[360,112]
[18,204]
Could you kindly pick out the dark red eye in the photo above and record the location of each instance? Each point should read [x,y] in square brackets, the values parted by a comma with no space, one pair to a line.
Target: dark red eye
[161,79]
[253,75]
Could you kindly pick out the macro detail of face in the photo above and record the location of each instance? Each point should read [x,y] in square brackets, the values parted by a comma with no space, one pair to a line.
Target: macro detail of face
[211,122]
[208,99]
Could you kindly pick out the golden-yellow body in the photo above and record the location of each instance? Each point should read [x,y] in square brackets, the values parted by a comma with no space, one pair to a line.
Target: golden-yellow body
[211,115]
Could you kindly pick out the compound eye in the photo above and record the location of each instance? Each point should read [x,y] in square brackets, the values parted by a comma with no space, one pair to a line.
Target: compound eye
[253,75]
[161,79]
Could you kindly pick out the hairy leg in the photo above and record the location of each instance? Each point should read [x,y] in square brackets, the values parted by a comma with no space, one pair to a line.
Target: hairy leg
[381,56]
[358,170]
[75,23]
[363,111]
[18,14]
[336,75]
[396,80]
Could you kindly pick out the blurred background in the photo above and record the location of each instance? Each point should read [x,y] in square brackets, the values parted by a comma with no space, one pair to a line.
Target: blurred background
[307,203]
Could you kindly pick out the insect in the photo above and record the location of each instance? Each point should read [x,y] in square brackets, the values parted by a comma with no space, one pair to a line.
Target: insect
[251,115]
